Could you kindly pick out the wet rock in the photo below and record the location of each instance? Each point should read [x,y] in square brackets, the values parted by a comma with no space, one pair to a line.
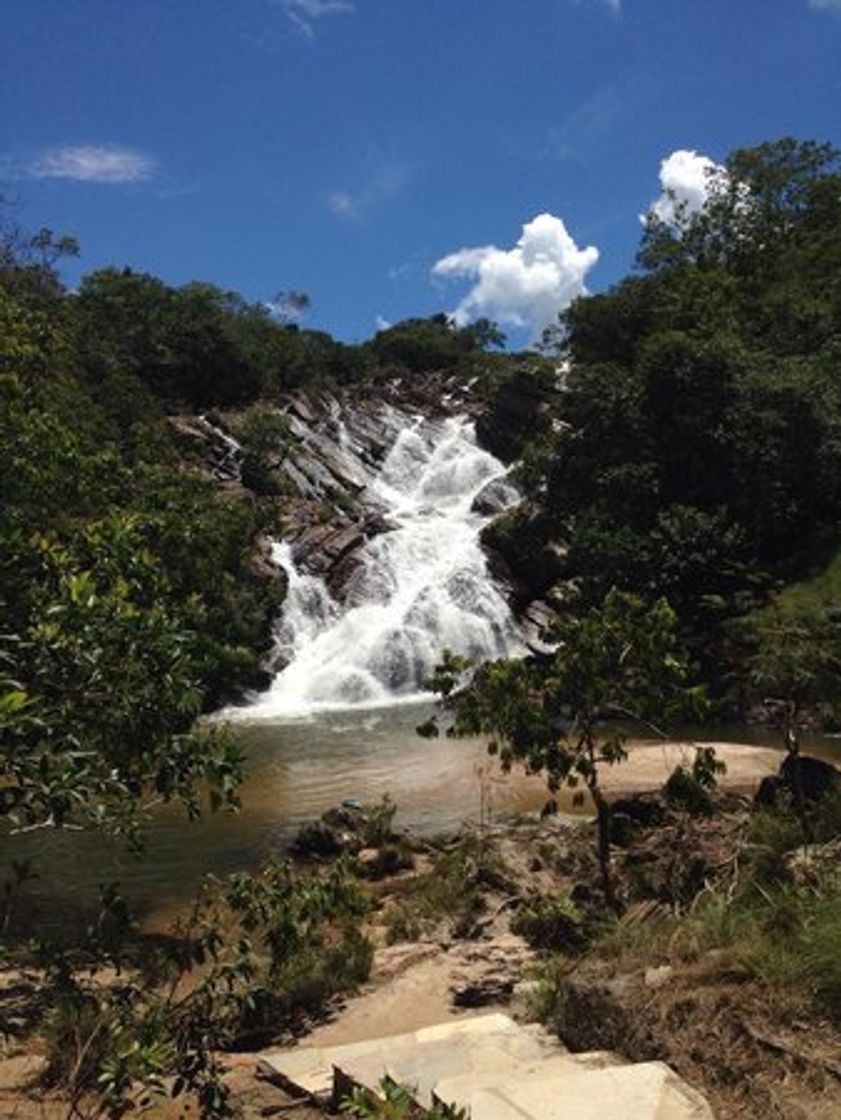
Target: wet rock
[536,620]
[322,840]
[218,452]
[495,497]
[522,538]
[339,579]
[339,831]
[375,524]
[346,817]
[518,412]
[299,406]
[338,544]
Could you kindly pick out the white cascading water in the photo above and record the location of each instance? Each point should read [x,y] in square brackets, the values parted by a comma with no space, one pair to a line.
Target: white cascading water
[422,587]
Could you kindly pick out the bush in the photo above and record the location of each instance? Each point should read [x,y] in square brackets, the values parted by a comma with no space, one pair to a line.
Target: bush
[257,955]
[552,922]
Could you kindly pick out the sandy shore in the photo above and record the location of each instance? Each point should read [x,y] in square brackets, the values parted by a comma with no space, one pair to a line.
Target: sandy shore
[648,765]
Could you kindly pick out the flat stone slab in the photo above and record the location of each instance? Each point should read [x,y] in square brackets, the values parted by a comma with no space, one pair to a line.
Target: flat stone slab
[561,1089]
[446,1048]
[496,1069]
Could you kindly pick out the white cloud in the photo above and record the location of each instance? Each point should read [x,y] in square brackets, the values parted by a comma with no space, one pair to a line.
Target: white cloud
[826,5]
[304,13]
[525,286]
[686,179]
[382,324]
[90,163]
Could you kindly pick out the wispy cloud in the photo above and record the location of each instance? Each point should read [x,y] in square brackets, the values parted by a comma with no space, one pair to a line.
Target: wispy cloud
[385,183]
[91,163]
[525,286]
[613,6]
[306,13]
[826,5]
[591,118]
[341,202]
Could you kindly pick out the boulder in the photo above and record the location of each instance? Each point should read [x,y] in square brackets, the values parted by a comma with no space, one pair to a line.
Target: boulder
[495,497]
[813,777]
[520,410]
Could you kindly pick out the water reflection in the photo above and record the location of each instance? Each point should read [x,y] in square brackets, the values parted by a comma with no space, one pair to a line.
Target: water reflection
[296,770]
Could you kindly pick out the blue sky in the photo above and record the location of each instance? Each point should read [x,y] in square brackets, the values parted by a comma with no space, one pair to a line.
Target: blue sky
[348,147]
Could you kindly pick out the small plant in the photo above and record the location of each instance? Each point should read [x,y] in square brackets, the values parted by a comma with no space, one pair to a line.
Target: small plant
[395,1102]
[378,828]
[552,922]
[692,787]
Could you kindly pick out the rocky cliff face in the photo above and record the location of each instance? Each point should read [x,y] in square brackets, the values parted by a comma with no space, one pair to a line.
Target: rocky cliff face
[333,446]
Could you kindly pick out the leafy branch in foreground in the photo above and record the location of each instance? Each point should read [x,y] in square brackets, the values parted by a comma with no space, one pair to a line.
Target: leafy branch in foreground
[132,1023]
[618,662]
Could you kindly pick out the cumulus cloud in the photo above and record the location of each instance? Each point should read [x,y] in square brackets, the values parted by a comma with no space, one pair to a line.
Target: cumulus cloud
[525,286]
[90,163]
[382,324]
[686,178]
[304,13]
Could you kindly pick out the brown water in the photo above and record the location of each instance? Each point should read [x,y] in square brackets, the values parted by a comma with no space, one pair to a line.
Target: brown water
[296,770]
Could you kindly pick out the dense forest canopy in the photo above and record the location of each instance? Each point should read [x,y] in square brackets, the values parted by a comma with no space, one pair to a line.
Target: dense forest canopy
[698,454]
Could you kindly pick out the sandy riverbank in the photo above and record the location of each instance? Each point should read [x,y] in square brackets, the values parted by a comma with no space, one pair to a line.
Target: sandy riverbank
[648,765]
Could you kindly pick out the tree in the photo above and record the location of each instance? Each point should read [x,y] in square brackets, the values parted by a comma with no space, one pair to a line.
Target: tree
[100,685]
[288,306]
[619,661]
[796,668]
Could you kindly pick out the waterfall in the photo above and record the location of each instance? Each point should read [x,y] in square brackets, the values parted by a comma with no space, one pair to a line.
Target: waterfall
[419,588]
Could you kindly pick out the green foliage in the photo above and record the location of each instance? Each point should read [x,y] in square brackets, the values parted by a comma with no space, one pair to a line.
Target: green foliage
[263,433]
[448,894]
[422,345]
[552,922]
[692,786]
[129,603]
[619,659]
[696,451]
[393,1101]
[255,956]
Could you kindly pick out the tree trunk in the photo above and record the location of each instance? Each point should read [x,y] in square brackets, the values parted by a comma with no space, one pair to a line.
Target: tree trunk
[603,827]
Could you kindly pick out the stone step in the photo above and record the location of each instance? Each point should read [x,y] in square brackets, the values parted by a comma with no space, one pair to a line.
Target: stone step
[423,1056]
[495,1068]
[563,1089]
